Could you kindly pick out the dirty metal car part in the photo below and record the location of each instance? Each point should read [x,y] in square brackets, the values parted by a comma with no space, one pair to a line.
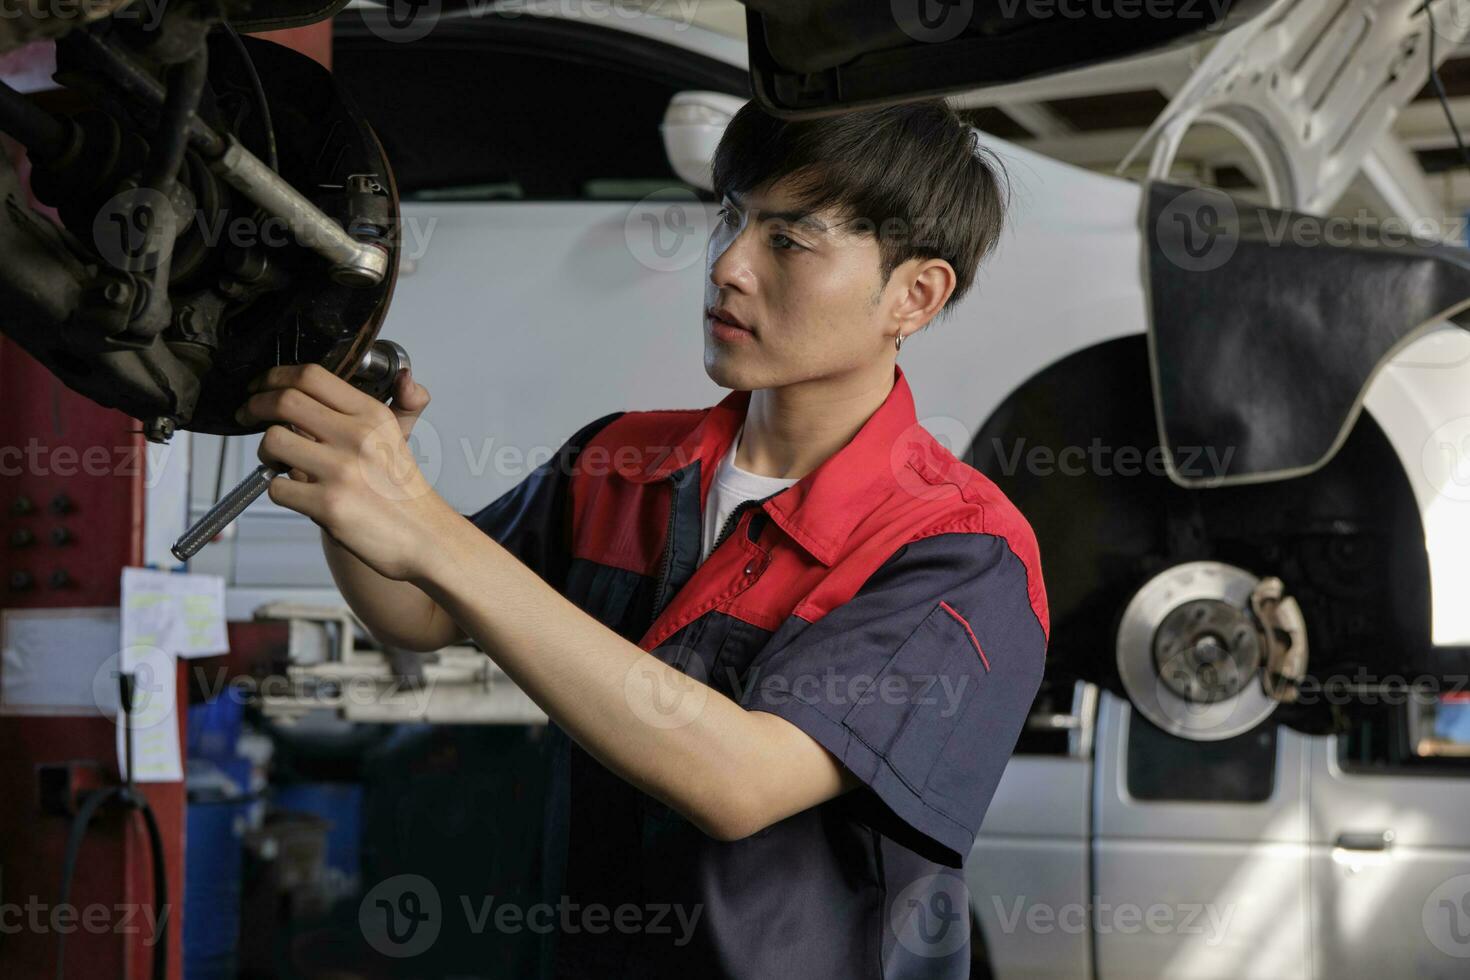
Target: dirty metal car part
[1188,654]
[1284,633]
[183,264]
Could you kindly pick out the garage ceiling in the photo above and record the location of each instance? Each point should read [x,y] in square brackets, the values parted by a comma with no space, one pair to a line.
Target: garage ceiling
[1094,116]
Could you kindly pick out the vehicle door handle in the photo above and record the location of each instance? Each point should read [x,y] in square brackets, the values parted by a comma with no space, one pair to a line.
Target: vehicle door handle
[1379,840]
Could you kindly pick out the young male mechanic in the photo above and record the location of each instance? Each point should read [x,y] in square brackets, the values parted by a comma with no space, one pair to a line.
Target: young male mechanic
[787,642]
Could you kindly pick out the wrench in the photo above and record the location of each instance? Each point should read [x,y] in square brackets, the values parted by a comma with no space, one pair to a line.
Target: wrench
[375,374]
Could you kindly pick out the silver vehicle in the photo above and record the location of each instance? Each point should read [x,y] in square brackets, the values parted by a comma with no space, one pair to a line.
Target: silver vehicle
[1250,478]
[1115,849]
[1172,840]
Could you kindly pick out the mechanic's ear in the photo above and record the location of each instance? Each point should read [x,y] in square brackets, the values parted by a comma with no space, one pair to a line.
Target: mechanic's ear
[928,284]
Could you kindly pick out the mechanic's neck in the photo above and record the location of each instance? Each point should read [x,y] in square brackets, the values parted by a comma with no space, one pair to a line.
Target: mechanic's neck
[791,430]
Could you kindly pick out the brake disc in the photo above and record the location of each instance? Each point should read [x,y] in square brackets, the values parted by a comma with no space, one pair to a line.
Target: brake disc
[255,264]
[1190,653]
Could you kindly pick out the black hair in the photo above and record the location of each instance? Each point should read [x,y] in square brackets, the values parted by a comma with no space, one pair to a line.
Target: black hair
[914,175]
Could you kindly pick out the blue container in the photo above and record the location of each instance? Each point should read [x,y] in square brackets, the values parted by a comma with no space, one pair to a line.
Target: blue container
[214,727]
[213,866]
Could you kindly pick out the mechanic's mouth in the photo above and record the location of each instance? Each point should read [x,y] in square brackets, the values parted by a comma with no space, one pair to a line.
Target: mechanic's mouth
[727,325]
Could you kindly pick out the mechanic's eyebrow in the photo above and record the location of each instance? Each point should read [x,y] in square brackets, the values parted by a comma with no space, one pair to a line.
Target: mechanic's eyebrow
[804,218]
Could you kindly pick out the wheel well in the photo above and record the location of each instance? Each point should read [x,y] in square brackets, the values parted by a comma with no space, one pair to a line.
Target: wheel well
[1076,448]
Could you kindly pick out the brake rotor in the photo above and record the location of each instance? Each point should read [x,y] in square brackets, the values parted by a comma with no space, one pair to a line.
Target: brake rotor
[244,288]
[1189,652]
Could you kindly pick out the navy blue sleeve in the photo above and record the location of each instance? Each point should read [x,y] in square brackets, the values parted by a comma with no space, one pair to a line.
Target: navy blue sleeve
[919,684]
[532,520]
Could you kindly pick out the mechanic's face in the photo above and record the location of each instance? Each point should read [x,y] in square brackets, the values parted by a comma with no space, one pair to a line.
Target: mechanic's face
[808,288]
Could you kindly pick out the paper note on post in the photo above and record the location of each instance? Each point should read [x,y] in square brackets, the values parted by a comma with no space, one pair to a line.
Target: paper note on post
[181,614]
[154,718]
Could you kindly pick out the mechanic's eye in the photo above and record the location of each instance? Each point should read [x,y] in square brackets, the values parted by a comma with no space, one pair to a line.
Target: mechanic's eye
[729,217]
[780,241]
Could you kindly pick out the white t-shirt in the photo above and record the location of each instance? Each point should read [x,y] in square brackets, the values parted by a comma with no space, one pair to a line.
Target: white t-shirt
[732,486]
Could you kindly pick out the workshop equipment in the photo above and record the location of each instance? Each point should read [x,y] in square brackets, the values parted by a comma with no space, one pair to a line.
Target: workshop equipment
[375,375]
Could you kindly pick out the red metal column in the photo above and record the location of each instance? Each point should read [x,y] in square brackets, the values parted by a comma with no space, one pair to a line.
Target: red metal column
[46,432]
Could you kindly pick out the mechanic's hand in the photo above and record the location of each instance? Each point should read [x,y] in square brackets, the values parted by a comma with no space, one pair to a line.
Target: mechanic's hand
[409,400]
[350,466]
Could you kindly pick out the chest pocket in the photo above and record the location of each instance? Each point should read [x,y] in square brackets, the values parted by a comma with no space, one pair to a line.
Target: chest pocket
[619,599]
[920,698]
[738,645]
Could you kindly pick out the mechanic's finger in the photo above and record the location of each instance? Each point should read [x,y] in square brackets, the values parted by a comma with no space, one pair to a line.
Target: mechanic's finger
[409,401]
[317,382]
[304,498]
[294,407]
[282,449]
[409,397]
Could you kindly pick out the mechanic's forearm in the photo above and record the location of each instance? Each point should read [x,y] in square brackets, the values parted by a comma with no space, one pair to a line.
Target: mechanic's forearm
[605,692]
[397,613]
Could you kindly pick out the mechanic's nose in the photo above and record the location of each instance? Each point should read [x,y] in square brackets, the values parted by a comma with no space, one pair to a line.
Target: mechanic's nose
[729,262]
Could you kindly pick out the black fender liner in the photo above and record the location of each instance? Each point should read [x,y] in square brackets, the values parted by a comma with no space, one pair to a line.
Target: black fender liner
[1266,326]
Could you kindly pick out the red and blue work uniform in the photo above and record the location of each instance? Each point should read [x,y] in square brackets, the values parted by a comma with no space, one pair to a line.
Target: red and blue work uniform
[889,604]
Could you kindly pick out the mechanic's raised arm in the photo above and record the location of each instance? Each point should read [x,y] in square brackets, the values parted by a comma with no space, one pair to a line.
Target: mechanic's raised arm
[729,771]
[397,613]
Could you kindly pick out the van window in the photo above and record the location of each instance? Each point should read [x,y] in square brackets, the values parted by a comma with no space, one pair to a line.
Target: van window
[1161,766]
[1409,732]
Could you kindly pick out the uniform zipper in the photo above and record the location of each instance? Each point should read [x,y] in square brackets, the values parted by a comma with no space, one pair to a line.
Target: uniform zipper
[668,561]
[729,524]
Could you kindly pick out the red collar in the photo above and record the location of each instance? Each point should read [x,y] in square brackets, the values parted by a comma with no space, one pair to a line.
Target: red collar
[820,510]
